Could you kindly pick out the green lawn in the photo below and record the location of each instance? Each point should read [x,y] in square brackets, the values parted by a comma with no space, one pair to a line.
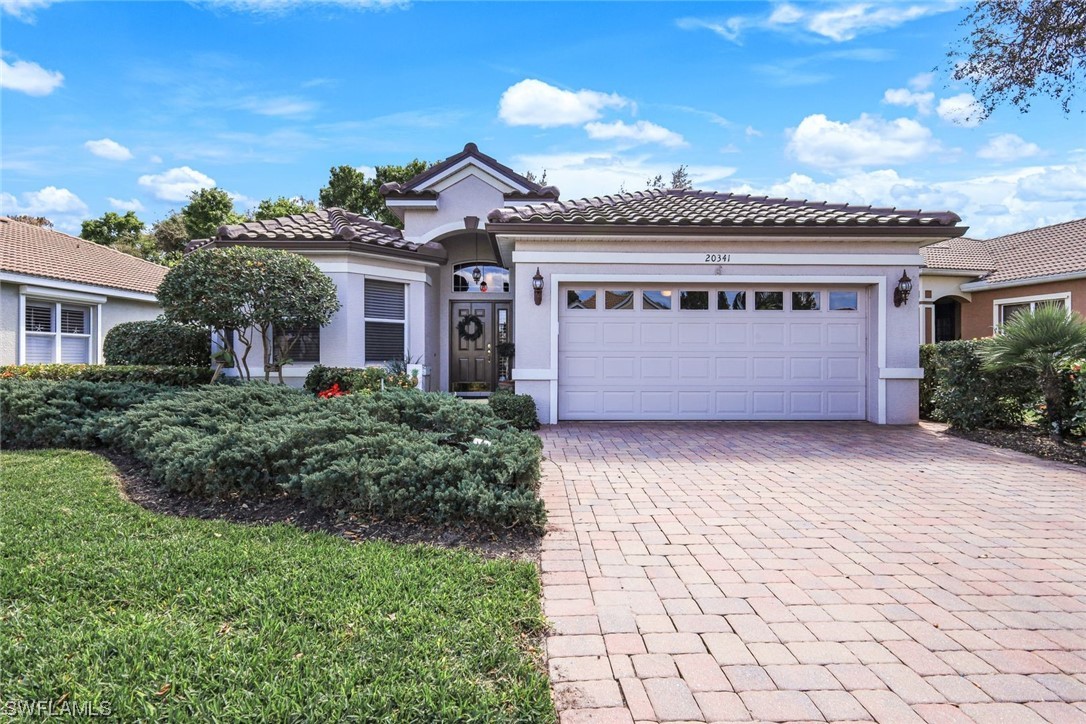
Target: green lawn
[103,601]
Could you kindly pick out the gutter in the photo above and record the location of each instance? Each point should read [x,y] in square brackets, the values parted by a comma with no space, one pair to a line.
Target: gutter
[1025,282]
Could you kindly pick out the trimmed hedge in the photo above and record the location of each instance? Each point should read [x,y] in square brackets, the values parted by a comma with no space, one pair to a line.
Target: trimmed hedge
[929,356]
[69,413]
[519,410]
[162,375]
[357,379]
[157,342]
[970,396]
[1077,377]
[395,454]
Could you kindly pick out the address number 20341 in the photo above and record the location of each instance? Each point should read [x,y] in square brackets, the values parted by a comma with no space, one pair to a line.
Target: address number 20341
[718,258]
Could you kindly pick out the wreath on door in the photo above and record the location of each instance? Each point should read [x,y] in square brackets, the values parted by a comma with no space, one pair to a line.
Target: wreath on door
[470,328]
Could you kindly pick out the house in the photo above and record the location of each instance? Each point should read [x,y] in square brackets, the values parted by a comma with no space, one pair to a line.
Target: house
[969,287]
[656,305]
[60,294]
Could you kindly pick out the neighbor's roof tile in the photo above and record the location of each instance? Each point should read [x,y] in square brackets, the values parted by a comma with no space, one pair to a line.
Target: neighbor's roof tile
[42,252]
[961,253]
[674,208]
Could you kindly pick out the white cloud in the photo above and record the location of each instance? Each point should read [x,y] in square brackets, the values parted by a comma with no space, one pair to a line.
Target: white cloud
[535,103]
[1056,183]
[636,133]
[155,159]
[49,200]
[867,141]
[175,184]
[122,205]
[368,171]
[1008,147]
[23,9]
[281,106]
[29,78]
[108,148]
[752,132]
[905,97]
[921,81]
[837,22]
[961,110]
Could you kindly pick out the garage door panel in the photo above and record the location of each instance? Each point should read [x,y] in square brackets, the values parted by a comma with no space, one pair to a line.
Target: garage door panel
[633,363]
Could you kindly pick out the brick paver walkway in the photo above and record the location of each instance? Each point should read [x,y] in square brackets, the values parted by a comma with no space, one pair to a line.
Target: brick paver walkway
[785,572]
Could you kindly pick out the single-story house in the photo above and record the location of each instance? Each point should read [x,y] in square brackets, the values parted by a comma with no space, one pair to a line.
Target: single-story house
[60,294]
[656,305]
[970,287]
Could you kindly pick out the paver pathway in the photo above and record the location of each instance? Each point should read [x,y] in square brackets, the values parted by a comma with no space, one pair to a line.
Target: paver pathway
[790,572]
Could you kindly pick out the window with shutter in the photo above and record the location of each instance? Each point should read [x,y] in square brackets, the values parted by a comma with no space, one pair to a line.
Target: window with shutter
[386,320]
[73,320]
[303,344]
[39,318]
[56,332]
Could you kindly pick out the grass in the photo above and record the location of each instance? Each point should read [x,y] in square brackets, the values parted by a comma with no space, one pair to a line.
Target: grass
[102,601]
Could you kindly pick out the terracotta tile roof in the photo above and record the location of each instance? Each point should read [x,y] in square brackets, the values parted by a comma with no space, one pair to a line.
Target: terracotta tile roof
[412,188]
[1047,251]
[961,253]
[336,226]
[41,252]
[676,209]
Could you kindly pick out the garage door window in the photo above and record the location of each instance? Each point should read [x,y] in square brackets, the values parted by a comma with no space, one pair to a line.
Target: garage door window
[736,301]
[581,299]
[844,302]
[693,300]
[806,301]
[653,299]
[769,301]
[622,299]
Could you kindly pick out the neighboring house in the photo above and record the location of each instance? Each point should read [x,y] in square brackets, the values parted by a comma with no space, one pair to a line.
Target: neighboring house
[59,294]
[655,305]
[970,287]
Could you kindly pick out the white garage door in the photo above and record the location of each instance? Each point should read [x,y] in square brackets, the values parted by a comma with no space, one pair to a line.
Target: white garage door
[690,353]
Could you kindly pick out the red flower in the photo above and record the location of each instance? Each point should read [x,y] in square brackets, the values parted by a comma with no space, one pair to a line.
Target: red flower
[332,391]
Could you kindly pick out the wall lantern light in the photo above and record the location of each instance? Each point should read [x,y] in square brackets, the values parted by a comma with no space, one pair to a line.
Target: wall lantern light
[537,286]
[901,291]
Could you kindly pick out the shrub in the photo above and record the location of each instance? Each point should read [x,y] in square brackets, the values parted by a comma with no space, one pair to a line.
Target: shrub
[518,410]
[162,375]
[69,413]
[357,379]
[928,385]
[395,454]
[969,395]
[1077,377]
[157,342]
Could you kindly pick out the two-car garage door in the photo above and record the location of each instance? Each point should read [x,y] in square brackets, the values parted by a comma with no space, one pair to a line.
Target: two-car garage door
[744,352]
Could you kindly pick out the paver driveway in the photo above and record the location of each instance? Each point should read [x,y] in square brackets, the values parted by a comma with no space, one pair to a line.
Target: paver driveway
[784,572]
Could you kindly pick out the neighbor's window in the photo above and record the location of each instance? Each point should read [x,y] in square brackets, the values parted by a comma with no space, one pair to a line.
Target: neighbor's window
[580,299]
[46,342]
[386,320]
[806,301]
[693,300]
[303,344]
[1008,311]
[494,278]
[654,299]
[844,301]
[619,300]
[769,301]
[731,300]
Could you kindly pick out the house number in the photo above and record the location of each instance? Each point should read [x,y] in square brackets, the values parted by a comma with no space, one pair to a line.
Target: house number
[717,258]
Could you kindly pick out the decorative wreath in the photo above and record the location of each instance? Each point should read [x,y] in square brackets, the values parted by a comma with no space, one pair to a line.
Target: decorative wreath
[470,328]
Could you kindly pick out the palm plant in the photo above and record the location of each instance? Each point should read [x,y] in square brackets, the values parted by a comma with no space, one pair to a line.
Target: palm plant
[1044,341]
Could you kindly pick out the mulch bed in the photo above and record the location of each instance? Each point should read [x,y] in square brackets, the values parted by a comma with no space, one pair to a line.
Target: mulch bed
[292,511]
[1030,440]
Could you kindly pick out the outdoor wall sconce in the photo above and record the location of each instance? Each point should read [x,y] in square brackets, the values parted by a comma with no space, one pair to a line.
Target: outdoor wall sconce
[537,287]
[901,291]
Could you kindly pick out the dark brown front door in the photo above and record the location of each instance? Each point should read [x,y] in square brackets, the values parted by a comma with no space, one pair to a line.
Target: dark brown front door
[475,363]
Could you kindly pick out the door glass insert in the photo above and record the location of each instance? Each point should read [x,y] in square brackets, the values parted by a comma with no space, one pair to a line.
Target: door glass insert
[580,299]
[654,299]
[619,299]
[731,300]
[503,339]
[693,300]
[769,301]
[806,301]
[844,302]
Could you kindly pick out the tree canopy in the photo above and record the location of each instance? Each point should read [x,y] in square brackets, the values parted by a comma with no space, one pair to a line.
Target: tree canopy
[282,206]
[1017,50]
[349,188]
[206,211]
[33,220]
[111,228]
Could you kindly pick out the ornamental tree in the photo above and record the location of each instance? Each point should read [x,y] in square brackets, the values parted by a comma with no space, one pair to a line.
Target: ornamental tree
[349,188]
[244,293]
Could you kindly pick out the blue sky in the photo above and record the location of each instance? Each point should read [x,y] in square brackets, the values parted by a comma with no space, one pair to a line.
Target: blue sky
[132,105]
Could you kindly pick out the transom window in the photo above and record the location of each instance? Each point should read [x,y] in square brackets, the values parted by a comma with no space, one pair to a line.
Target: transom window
[492,278]
[56,332]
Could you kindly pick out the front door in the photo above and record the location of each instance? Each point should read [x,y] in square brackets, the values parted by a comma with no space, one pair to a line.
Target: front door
[477,330]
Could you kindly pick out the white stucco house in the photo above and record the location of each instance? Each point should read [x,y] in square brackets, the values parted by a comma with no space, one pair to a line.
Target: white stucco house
[656,305]
[60,295]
